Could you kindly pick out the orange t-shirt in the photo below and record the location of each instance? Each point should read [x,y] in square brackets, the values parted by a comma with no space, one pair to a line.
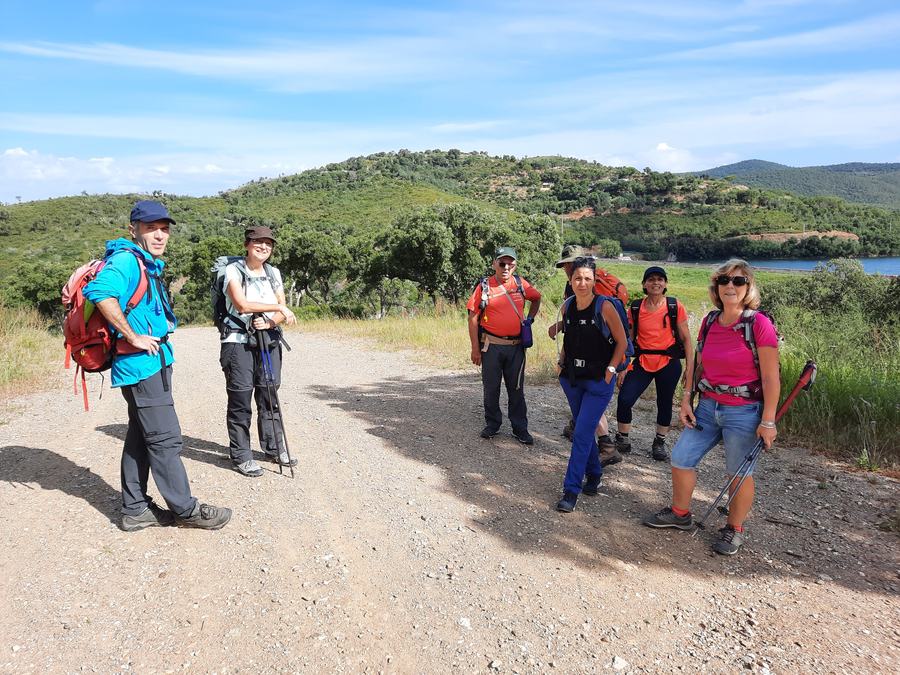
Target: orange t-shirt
[499,318]
[656,333]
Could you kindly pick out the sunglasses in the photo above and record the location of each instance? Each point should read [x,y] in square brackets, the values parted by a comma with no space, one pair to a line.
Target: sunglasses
[504,265]
[585,261]
[738,281]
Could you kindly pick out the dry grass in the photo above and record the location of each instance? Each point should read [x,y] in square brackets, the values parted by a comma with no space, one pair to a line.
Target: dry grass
[28,352]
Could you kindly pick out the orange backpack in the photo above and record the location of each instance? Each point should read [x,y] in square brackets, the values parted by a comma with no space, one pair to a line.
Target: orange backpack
[610,285]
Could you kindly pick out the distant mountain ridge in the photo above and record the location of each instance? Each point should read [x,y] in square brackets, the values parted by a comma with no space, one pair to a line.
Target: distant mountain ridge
[874,184]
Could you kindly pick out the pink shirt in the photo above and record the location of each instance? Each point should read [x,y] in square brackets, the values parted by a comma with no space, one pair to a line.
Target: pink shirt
[728,360]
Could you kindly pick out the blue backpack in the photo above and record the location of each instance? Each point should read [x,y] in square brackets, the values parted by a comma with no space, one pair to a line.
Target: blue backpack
[604,328]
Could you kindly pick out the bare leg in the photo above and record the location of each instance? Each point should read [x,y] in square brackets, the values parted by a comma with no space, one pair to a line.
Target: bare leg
[603,426]
[623,428]
[741,502]
[683,483]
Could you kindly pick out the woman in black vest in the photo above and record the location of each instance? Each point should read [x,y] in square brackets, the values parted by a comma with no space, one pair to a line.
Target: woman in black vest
[587,376]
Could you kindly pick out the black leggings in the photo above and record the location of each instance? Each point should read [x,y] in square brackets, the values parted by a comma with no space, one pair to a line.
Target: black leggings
[636,383]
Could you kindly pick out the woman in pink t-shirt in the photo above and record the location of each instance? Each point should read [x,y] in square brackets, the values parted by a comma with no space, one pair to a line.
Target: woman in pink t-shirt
[737,402]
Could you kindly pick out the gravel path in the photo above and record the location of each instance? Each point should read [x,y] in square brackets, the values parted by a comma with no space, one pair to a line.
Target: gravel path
[408,544]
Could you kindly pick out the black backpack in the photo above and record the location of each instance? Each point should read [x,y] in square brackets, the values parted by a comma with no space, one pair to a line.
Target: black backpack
[676,351]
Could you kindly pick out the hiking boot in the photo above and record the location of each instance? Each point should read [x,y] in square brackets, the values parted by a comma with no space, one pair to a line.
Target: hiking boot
[152,516]
[249,468]
[608,453]
[281,458]
[569,429]
[488,432]
[623,445]
[205,517]
[667,518]
[524,437]
[729,541]
[658,449]
[592,485]
[567,503]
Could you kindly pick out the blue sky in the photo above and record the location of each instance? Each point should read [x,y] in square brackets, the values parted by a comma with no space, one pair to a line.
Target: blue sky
[195,97]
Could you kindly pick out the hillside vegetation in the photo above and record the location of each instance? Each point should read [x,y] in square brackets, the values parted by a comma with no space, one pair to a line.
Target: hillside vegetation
[858,182]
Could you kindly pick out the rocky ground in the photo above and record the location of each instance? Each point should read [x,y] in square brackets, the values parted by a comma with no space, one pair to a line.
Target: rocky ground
[408,544]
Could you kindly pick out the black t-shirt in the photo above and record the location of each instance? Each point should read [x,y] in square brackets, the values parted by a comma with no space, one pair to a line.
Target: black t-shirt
[587,352]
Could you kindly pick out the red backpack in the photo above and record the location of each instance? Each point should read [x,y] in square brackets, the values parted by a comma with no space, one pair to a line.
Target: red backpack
[88,339]
[610,285]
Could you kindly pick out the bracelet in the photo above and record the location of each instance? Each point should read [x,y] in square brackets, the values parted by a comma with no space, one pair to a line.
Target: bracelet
[767,425]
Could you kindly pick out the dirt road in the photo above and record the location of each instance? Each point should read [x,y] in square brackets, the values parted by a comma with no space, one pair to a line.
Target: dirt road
[408,544]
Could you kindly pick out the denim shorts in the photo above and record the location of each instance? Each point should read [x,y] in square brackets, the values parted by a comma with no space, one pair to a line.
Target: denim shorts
[734,425]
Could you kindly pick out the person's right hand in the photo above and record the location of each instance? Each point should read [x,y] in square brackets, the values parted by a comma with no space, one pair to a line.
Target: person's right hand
[146,343]
[552,331]
[289,317]
[476,356]
[686,414]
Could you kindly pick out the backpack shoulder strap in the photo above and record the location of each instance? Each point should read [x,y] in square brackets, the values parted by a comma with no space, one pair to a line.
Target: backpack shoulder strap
[672,307]
[748,319]
[143,283]
[485,293]
[519,285]
[705,326]
[635,313]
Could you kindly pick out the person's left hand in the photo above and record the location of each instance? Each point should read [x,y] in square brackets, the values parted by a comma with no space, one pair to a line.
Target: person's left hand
[767,434]
[261,323]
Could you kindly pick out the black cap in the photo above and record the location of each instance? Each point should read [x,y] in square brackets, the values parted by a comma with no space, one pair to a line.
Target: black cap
[655,269]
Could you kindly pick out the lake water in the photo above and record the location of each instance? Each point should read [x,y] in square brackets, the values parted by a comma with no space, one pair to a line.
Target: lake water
[870,265]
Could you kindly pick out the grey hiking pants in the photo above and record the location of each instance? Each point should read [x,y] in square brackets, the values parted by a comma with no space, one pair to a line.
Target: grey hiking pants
[506,362]
[153,443]
[244,381]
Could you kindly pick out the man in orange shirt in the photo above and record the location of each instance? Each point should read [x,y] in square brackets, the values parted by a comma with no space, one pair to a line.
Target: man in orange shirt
[496,311]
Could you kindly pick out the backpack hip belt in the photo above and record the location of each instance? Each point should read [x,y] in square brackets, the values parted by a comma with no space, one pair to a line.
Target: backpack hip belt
[752,390]
[487,340]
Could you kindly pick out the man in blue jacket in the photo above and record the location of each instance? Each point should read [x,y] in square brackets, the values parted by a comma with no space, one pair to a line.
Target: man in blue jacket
[142,368]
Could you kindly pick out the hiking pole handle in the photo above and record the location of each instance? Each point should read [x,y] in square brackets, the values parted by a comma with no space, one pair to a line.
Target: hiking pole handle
[804,382]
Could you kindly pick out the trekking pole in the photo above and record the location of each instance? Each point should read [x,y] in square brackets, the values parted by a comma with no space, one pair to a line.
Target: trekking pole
[804,383]
[265,357]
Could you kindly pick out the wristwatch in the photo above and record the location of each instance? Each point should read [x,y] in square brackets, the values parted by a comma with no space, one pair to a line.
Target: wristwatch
[611,369]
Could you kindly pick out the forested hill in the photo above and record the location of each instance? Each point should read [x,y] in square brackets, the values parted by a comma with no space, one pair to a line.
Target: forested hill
[366,224]
[858,182]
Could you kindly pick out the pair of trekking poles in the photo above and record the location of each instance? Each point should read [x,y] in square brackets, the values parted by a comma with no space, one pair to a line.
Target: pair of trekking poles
[804,383]
[263,344]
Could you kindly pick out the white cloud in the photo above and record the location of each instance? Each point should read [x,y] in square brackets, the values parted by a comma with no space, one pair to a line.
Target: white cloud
[866,33]
[15,152]
[294,68]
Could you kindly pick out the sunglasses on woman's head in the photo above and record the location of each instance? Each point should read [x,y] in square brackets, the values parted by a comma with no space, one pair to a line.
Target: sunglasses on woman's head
[738,281]
[585,261]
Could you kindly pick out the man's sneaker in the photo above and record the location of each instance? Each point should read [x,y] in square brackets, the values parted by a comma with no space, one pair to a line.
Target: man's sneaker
[489,432]
[153,516]
[281,458]
[592,485]
[608,453]
[524,437]
[567,503]
[249,468]
[623,445]
[658,449]
[729,541]
[667,518]
[569,429]
[205,517]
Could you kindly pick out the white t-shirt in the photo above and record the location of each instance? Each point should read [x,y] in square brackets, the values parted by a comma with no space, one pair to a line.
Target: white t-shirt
[256,289]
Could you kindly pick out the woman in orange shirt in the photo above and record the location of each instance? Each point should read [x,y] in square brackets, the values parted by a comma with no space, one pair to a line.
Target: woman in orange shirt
[661,336]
